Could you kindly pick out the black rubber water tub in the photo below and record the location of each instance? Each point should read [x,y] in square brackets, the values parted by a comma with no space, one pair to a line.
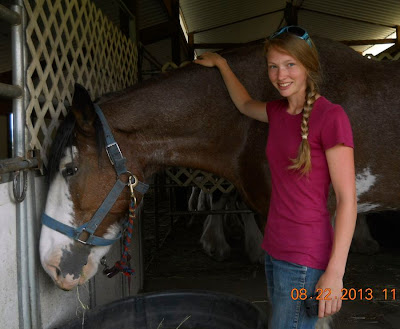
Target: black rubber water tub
[175,309]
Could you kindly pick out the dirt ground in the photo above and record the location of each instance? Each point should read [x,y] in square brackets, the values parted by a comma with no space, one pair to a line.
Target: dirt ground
[180,263]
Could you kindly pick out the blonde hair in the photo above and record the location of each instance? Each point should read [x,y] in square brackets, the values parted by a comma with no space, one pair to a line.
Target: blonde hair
[308,57]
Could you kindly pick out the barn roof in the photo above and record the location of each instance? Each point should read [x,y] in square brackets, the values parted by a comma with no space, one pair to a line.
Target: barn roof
[222,22]
[237,21]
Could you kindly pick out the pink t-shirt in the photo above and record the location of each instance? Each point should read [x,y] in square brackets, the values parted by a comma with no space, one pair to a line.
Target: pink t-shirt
[298,228]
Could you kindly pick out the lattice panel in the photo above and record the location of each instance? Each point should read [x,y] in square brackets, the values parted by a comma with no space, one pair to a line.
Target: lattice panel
[193,177]
[71,41]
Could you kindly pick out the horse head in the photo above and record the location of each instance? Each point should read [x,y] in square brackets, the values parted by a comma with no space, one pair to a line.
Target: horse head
[81,220]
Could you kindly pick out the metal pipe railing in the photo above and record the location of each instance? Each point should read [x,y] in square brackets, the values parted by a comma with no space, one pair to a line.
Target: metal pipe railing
[31,221]
[18,163]
[17,50]
[9,16]
[10,91]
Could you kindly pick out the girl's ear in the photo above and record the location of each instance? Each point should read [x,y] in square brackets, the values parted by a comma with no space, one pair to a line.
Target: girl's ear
[83,109]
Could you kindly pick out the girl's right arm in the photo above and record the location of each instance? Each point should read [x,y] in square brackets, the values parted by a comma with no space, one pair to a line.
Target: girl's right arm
[239,95]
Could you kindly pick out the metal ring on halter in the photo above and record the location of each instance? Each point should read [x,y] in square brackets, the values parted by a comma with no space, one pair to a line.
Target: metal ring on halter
[132,186]
[126,173]
[135,180]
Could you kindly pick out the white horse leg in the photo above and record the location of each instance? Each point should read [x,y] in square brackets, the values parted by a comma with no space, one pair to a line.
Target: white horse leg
[204,201]
[194,198]
[363,242]
[324,323]
[193,203]
[213,237]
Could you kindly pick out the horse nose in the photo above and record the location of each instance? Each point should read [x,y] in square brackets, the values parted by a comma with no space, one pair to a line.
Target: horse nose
[67,282]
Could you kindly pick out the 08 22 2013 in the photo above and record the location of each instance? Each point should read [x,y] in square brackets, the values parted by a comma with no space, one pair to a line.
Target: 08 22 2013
[347,294]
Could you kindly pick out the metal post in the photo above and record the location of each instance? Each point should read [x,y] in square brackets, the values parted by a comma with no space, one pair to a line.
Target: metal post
[17,40]
[25,210]
[32,222]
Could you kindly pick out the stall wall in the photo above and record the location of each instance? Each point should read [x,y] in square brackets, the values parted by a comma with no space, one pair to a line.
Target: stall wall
[8,260]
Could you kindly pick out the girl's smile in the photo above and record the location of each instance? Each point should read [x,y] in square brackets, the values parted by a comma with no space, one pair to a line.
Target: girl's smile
[287,74]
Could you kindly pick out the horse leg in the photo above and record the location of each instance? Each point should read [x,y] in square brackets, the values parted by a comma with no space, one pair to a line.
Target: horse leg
[253,237]
[193,203]
[194,198]
[324,323]
[213,237]
[363,242]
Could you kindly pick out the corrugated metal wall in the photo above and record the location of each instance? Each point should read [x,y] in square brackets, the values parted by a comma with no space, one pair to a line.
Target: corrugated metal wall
[150,13]
[200,15]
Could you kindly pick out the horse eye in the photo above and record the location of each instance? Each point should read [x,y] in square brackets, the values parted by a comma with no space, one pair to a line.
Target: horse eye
[69,170]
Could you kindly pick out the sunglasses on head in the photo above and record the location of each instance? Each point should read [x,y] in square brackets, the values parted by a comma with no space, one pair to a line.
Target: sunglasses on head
[296,30]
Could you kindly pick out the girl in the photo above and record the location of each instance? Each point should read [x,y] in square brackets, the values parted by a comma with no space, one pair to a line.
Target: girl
[310,145]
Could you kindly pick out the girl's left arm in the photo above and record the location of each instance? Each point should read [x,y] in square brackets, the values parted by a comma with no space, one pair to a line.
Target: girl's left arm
[340,160]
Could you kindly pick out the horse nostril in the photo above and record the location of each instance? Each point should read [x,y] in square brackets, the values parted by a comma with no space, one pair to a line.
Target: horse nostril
[58,272]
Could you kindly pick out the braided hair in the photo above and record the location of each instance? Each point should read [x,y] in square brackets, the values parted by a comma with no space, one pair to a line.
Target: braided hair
[308,57]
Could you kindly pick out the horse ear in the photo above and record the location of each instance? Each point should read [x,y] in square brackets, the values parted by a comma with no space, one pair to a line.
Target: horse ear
[83,109]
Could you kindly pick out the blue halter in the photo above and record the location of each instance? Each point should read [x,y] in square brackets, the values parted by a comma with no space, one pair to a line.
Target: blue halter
[118,161]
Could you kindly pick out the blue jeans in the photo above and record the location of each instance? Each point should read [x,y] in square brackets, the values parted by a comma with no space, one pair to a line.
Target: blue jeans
[282,277]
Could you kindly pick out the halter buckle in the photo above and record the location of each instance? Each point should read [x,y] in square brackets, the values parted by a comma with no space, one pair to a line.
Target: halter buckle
[78,236]
[108,152]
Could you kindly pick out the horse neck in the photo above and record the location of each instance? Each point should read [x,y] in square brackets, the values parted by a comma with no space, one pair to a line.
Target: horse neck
[173,124]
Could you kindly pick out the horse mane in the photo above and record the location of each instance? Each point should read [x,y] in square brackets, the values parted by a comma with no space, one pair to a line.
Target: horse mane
[65,138]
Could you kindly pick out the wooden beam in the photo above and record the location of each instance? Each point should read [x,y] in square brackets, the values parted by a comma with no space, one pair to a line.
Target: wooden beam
[226,45]
[128,19]
[346,42]
[191,46]
[216,45]
[175,37]
[368,42]
[178,40]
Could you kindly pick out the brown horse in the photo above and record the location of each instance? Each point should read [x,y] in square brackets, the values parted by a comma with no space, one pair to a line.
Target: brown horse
[186,118]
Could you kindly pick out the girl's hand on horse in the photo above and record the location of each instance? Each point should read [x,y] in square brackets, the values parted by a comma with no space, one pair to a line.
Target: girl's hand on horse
[210,59]
[331,286]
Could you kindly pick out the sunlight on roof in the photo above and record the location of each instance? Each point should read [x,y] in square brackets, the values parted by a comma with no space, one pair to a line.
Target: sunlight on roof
[377,49]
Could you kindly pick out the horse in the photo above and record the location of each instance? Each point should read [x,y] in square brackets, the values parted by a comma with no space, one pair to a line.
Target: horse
[186,118]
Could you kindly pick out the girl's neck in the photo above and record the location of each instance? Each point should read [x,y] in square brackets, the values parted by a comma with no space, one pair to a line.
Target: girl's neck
[295,104]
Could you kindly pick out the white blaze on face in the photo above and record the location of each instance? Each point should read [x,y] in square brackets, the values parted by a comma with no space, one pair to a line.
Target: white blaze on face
[54,245]
[364,182]
[60,207]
